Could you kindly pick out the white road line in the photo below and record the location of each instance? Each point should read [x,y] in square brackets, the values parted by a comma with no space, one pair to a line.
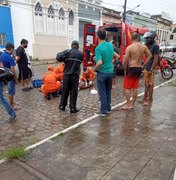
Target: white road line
[175,175]
[82,122]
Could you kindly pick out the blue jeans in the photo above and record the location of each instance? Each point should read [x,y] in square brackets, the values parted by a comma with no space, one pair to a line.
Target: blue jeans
[11,87]
[4,101]
[104,83]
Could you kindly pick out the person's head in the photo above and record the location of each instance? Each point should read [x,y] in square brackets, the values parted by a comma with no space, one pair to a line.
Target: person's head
[101,35]
[75,44]
[113,43]
[24,43]
[50,68]
[10,48]
[135,37]
[150,37]
[84,69]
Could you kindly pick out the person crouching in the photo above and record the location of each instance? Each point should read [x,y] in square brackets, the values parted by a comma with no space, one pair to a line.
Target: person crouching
[50,83]
[87,77]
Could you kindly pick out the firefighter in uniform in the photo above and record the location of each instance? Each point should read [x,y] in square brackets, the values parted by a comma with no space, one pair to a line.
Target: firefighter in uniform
[72,61]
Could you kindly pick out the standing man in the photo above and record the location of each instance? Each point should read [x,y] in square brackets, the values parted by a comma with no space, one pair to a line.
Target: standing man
[72,60]
[104,53]
[133,68]
[22,60]
[150,67]
[7,61]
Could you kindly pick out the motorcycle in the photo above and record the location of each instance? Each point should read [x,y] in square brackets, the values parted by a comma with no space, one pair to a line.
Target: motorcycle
[171,61]
[164,68]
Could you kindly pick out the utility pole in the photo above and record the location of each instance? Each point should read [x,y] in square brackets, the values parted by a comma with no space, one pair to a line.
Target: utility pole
[124,13]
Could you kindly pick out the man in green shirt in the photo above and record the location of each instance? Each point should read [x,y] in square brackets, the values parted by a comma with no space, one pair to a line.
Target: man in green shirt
[104,53]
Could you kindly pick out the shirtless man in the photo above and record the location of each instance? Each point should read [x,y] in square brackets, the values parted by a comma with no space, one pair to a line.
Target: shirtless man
[133,68]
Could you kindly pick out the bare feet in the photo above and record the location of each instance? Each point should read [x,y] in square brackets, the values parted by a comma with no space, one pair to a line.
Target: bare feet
[16,108]
[142,101]
[146,103]
[125,107]
[131,107]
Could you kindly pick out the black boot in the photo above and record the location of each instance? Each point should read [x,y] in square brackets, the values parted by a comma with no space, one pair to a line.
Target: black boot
[62,108]
[74,110]
[48,97]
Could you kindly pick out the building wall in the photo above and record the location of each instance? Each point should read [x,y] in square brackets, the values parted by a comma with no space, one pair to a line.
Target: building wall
[109,20]
[44,44]
[163,29]
[163,32]
[6,33]
[47,45]
[88,13]
[22,24]
[141,21]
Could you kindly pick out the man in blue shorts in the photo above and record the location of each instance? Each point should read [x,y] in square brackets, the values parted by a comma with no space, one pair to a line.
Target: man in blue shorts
[7,61]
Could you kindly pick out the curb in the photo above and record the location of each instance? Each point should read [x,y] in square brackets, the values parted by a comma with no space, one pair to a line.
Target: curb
[36,63]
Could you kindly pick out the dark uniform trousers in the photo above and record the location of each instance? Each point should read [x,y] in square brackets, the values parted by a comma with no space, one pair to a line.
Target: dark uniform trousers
[70,86]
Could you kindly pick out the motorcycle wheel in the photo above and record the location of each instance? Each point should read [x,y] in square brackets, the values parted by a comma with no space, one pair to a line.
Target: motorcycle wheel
[167,73]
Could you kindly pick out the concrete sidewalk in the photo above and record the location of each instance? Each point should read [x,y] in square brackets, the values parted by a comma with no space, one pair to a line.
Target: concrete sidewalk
[135,144]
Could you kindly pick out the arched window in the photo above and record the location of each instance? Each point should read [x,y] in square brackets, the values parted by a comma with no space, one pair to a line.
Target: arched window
[50,20]
[38,18]
[38,9]
[71,27]
[61,22]
[61,14]
[51,11]
[71,18]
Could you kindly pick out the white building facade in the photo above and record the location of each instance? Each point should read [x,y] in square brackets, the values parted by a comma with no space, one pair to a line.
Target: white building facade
[49,25]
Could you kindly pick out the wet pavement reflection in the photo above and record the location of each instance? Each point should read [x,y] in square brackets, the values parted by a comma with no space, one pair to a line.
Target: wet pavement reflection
[39,118]
[135,144]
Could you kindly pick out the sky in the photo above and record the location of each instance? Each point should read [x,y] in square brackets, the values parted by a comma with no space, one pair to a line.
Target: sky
[152,7]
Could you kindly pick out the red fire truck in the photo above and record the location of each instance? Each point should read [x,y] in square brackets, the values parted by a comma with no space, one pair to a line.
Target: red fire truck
[119,32]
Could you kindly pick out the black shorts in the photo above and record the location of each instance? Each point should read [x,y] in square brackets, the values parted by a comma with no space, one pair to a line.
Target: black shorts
[134,72]
[24,73]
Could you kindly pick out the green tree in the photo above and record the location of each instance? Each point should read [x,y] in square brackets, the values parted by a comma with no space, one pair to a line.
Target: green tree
[174,31]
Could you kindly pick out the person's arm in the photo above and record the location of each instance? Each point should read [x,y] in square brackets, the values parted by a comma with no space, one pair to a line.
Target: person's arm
[14,72]
[98,60]
[126,59]
[148,55]
[116,56]
[12,67]
[1,65]
[97,66]
[18,55]
[156,57]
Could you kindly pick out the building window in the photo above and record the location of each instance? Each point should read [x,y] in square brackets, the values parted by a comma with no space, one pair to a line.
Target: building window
[71,18]
[61,22]
[2,39]
[50,20]
[171,37]
[4,2]
[97,2]
[39,18]
[71,27]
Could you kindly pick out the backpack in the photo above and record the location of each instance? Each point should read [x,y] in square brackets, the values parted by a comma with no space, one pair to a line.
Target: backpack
[37,83]
[6,74]
[61,56]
